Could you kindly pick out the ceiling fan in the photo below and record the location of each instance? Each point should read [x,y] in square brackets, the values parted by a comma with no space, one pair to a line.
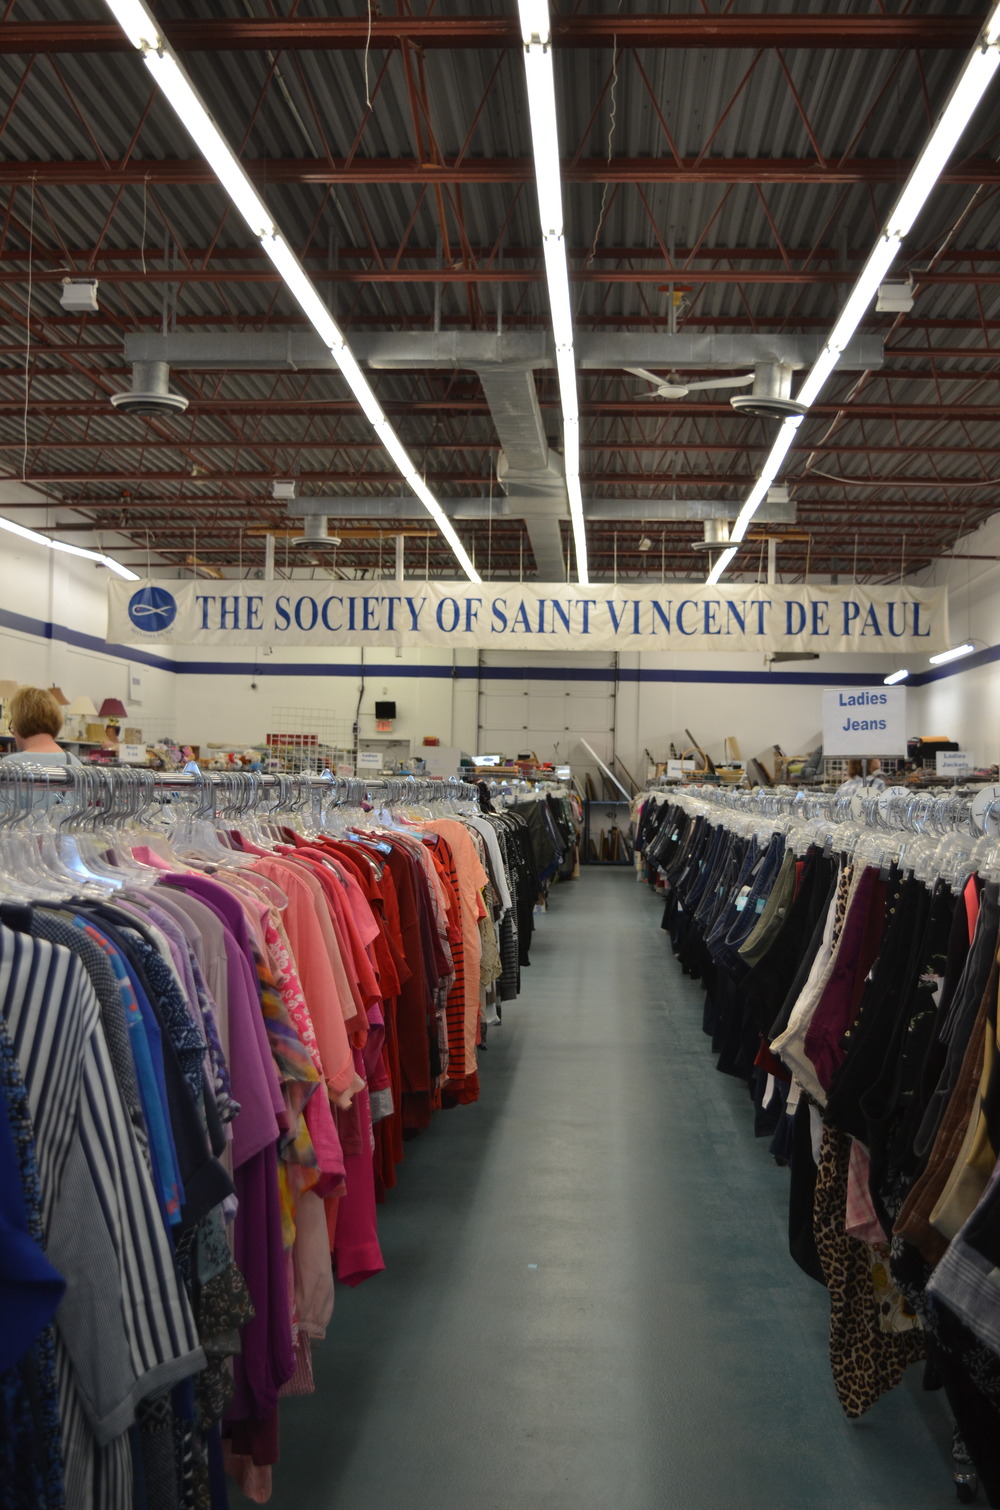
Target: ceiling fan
[674,387]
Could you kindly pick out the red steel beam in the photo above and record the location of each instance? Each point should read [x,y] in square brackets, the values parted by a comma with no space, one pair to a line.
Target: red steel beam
[354,33]
[412,253]
[624,448]
[696,321]
[217,273]
[887,374]
[176,172]
[608,409]
[457,478]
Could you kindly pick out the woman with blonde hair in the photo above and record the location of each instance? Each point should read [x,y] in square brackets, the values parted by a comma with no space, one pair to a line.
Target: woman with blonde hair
[35,720]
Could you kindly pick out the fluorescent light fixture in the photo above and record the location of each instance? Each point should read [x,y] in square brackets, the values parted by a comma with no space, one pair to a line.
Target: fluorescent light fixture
[566,370]
[969,88]
[720,566]
[534,18]
[209,140]
[446,527]
[579,527]
[36,538]
[897,676]
[779,450]
[539,78]
[304,292]
[557,277]
[143,33]
[25,534]
[817,376]
[360,386]
[392,443]
[781,447]
[571,449]
[540,81]
[951,655]
[136,22]
[881,257]
[120,570]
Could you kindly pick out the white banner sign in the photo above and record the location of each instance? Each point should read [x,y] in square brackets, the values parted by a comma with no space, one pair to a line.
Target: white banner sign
[529,616]
[863,721]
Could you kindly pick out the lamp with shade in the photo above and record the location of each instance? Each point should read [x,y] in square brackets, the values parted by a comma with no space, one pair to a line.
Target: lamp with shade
[7,690]
[60,696]
[79,711]
[112,712]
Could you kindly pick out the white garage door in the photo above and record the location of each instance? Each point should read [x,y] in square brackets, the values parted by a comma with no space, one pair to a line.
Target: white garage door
[524,704]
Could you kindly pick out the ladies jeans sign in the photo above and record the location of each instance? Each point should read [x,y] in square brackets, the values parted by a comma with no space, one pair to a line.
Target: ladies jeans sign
[864,722]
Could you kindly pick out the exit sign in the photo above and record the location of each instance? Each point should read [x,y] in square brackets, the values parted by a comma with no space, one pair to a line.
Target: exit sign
[383,726]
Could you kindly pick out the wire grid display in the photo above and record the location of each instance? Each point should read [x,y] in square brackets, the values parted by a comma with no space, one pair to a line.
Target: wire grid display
[155,730]
[309,739]
[835,767]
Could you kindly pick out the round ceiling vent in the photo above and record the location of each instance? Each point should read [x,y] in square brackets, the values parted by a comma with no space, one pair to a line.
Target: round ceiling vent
[314,535]
[767,408]
[149,403]
[150,392]
[716,536]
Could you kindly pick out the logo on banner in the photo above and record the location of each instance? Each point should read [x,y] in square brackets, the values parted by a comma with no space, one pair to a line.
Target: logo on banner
[152,608]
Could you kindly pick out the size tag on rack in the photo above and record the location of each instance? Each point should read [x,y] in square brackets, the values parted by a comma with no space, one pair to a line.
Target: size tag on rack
[890,795]
[741,898]
[986,811]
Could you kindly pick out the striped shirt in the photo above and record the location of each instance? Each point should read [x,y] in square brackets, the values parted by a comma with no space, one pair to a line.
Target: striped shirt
[124,1329]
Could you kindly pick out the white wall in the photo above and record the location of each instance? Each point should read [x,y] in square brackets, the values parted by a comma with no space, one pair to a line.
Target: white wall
[759,706]
[769,709]
[964,702]
[228,708]
[221,705]
[64,601]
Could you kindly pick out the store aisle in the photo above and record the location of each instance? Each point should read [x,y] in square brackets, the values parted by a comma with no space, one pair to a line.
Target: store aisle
[588,1301]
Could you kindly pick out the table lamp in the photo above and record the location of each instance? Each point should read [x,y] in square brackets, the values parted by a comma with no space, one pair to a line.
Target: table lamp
[7,690]
[112,710]
[79,710]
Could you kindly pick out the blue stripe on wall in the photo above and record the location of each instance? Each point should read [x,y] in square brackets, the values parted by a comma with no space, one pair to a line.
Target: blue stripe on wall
[43,630]
[545,671]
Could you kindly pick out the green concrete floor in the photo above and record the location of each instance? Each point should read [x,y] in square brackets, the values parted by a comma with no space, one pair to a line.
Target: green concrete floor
[588,1303]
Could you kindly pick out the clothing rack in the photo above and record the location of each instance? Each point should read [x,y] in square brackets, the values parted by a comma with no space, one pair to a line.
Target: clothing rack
[845,946]
[235,791]
[950,837]
[273,982]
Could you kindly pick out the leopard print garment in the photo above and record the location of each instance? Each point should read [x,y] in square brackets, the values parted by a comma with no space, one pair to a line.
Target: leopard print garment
[842,900]
[866,1361]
